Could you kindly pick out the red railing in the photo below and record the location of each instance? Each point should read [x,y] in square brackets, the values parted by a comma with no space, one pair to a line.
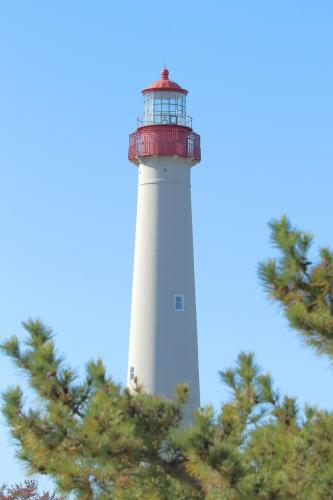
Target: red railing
[164,140]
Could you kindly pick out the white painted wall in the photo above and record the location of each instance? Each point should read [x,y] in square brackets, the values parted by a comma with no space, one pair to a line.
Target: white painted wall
[163,342]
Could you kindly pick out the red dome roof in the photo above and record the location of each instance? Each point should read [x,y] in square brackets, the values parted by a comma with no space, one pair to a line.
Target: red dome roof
[164,84]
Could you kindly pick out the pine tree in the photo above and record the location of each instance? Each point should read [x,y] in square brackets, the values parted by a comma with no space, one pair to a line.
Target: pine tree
[98,441]
[303,288]
[94,438]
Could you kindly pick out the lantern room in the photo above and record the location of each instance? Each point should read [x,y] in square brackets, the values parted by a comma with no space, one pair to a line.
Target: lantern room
[165,103]
[164,127]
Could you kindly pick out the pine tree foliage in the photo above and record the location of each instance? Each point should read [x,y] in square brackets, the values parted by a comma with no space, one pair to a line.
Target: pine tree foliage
[94,438]
[303,288]
[98,441]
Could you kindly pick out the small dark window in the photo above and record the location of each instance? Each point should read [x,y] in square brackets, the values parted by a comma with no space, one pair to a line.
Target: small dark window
[132,373]
[178,303]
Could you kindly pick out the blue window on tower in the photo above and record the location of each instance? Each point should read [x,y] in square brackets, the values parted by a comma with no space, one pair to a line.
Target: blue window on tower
[178,302]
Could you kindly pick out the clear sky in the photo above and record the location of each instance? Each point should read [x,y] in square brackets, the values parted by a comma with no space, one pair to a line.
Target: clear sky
[260,77]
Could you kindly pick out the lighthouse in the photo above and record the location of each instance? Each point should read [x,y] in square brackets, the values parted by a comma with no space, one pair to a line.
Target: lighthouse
[163,347]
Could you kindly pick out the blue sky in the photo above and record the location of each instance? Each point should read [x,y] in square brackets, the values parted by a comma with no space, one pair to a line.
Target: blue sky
[260,77]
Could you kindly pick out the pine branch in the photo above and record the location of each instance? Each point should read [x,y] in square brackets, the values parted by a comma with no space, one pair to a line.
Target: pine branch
[303,289]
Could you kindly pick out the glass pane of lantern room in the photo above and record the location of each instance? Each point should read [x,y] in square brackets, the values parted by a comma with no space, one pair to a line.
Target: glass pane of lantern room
[157,105]
[147,104]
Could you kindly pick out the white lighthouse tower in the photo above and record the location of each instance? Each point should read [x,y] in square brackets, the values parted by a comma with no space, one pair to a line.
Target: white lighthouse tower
[163,348]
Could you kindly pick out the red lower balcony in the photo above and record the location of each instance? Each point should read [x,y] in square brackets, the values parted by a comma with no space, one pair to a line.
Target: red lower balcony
[164,140]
